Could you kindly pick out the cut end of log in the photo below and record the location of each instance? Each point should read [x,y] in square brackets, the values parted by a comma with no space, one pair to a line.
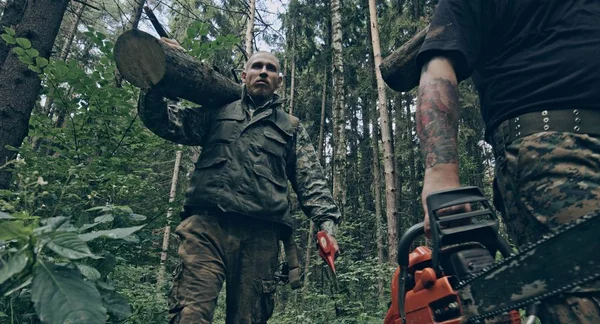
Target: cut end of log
[399,70]
[140,58]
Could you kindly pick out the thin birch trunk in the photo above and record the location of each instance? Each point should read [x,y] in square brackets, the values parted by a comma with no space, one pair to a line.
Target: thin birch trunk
[386,138]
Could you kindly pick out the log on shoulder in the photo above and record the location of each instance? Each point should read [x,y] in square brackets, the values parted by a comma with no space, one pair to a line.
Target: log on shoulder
[399,69]
[148,63]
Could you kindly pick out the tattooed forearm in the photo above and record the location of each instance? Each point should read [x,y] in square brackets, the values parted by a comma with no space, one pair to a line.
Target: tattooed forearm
[437,121]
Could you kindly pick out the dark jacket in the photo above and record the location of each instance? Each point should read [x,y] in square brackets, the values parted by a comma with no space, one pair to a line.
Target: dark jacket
[246,161]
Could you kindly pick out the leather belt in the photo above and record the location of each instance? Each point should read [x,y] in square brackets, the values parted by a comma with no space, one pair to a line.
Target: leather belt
[578,121]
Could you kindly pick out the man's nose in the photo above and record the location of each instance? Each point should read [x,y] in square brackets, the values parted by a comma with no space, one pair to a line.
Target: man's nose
[263,73]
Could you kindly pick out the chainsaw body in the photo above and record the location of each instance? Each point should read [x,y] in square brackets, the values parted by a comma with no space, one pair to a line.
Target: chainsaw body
[462,245]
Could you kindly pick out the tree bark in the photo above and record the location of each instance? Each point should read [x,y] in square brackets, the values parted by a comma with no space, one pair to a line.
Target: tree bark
[339,130]
[146,62]
[293,85]
[250,28]
[12,15]
[377,191]
[167,232]
[66,49]
[19,86]
[136,15]
[399,69]
[386,137]
[411,159]
[311,227]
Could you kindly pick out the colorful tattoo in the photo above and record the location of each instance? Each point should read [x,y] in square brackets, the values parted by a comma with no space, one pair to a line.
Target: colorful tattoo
[437,121]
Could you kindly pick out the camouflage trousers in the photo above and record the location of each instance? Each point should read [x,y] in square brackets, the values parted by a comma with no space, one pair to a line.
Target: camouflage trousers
[542,181]
[237,250]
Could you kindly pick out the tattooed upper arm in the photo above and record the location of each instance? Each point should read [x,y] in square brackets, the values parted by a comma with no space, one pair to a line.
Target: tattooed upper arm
[437,119]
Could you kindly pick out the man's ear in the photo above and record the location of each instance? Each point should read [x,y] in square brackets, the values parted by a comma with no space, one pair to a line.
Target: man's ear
[244,76]
[279,81]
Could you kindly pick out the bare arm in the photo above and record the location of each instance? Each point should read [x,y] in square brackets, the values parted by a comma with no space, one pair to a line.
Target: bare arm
[437,126]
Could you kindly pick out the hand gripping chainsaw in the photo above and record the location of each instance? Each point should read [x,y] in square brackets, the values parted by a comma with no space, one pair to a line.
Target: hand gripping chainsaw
[458,281]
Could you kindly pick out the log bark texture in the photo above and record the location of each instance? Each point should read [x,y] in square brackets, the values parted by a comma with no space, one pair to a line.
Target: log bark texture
[399,70]
[148,63]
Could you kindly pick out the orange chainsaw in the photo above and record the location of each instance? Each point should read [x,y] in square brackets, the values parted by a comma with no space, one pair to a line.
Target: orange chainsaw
[458,281]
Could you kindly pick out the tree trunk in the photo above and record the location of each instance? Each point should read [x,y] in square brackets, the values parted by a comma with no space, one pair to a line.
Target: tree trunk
[386,137]
[293,85]
[19,86]
[66,49]
[136,15]
[339,116]
[250,28]
[377,190]
[167,232]
[13,13]
[411,160]
[311,227]
[399,69]
[322,125]
[146,63]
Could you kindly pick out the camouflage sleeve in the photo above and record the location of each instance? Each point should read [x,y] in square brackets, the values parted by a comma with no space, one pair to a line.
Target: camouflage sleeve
[180,125]
[308,181]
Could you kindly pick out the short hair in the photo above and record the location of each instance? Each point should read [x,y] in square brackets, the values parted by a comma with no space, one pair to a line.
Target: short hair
[262,53]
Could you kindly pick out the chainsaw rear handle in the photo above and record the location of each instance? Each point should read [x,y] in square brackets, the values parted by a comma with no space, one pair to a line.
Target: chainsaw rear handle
[445,226]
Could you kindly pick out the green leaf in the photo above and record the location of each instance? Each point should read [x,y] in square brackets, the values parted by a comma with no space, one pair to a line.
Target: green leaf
[86,227]
[34,68]
[41,62]
[52,224]
[9,31]
[23,42]
[117,233]
[117,305]
[3,315]
[4,215]
[69,245]
[137,217]
[60,295]
[26,59]
[26,282]
[89,272]
[32,52]
[8,39]
[102,208]
[15,265]
[10,230]
[106,218]
[19,51]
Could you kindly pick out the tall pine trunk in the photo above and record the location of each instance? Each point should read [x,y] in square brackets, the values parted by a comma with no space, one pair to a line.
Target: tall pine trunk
[339,130]
[250,27]
[386,138]
[19,86]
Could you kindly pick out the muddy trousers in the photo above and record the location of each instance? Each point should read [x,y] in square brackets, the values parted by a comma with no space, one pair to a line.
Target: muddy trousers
[542,181]
[215,249]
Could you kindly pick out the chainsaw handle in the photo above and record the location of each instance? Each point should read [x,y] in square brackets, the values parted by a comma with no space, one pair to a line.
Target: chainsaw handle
[405,242]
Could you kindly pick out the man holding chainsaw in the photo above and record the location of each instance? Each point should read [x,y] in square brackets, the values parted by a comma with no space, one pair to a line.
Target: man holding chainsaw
[537,68]
[236,209]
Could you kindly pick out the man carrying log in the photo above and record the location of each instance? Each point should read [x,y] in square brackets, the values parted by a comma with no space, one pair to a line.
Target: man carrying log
[236,209]
[535,64]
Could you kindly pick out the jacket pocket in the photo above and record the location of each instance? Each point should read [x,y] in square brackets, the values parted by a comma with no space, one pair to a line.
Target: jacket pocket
[264,172]
[225,129]
[209,162]
[274,143]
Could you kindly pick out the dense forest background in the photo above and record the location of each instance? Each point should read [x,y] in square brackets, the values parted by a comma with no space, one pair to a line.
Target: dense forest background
[89,196]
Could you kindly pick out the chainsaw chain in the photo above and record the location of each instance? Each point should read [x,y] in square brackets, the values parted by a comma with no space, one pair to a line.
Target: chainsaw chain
[526,248]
